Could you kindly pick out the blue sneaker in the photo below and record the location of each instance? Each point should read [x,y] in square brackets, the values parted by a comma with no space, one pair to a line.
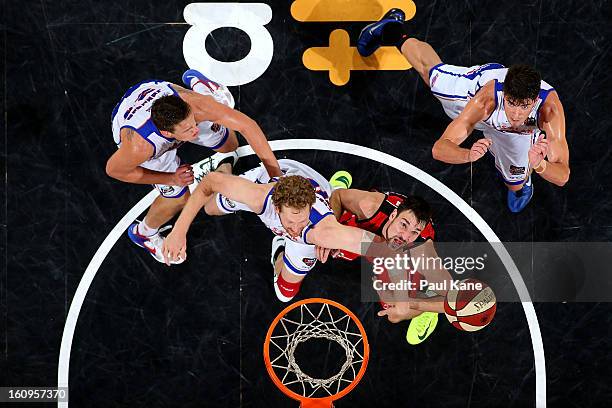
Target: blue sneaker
[153,244]
[192,74]
[518,200]
[370,38]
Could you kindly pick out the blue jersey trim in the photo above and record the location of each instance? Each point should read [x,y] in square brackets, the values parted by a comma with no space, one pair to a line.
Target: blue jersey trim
[308,228]
[293,268]
[473,75]
[220,200]
[223,140]
[182,193]
[136,130]
[433,68]
[266,201]
[315,217]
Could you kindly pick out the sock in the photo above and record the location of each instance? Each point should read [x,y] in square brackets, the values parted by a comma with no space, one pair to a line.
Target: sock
[143,229]
[394,34]
[287,289]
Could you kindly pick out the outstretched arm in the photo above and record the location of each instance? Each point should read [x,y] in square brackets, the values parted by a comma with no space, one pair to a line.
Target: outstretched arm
[329,233]
[238,121]
[233,187]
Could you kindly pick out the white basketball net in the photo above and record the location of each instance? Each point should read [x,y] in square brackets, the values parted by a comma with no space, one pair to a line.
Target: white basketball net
[315,321]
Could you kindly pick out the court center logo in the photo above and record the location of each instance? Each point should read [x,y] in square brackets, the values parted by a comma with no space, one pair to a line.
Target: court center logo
[339,58]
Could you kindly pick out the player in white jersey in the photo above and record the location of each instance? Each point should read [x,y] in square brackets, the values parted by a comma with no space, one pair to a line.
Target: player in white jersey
[295,207]
[152,120]
[520,115]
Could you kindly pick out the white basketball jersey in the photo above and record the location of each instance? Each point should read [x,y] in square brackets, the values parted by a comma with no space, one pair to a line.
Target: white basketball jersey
[134,111]
[498,119]
[319,210]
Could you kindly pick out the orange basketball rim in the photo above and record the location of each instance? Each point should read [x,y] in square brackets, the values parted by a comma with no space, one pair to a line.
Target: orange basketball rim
[315,318]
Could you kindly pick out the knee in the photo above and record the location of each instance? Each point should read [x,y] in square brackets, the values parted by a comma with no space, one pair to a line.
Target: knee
[179,202]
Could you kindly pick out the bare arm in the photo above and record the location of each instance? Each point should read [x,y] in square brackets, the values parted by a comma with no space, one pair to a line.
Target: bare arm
[359,202]
[214,111]
[447,148]
[124,164]
[233,187]
[329,233]
[556,169]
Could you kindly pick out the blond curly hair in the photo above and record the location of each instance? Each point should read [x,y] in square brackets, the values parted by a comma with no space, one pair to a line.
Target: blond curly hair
[294,192]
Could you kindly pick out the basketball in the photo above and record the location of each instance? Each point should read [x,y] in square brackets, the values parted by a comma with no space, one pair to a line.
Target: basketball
[471,306]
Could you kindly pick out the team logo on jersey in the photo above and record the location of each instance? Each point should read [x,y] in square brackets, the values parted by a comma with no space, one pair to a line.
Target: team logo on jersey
[309,262]
[166,190]
[215,127]
[530,122]
[229,203]
[516,171]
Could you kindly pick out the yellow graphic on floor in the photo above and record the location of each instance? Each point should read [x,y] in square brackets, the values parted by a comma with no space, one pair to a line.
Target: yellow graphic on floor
[340,59]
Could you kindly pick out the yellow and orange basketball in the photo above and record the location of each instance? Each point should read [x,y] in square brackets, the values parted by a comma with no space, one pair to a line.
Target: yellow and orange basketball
[470,307]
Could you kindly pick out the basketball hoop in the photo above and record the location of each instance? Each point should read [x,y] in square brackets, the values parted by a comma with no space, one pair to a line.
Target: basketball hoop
[319,319]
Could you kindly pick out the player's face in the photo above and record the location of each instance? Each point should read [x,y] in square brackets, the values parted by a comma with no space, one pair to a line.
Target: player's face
[404,228]
[517,112]
[187,129]
[294,220]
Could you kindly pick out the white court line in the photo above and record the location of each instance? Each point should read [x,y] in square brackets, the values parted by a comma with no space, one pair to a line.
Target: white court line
[332,146]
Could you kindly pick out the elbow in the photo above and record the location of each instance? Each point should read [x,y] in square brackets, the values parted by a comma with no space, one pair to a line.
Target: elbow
[248,127]
[435,151]
[111,171]
[564,179]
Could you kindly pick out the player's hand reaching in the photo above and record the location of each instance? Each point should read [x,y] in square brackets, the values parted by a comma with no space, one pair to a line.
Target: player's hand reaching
[323,253]
[479,149]
[399,311]
[175,247]
[538,151]
[183,176]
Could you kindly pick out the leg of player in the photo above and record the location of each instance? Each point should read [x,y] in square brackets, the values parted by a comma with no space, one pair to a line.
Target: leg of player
[519,195]
[286,281]
[146,233]
[390,30]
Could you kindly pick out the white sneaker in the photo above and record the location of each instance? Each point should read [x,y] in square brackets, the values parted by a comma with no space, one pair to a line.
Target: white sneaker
[153,244]
[205,166]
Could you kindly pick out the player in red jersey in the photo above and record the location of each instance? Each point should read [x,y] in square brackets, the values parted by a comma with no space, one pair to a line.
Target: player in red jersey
[401,221]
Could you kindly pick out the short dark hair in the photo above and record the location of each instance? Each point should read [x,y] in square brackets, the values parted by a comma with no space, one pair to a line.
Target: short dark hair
[522,83]
[168,111]
[419,207]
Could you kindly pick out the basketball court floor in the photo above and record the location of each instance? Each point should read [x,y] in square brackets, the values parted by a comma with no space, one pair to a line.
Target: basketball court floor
[83,307]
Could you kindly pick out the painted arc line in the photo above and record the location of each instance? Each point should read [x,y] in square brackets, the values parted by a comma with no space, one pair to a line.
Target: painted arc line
[332,146]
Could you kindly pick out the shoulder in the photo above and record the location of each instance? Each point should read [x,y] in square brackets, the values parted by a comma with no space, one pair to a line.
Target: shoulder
[361,203]
[482,105]
[551,107]
[486,96]
[134,144]
[370,202]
